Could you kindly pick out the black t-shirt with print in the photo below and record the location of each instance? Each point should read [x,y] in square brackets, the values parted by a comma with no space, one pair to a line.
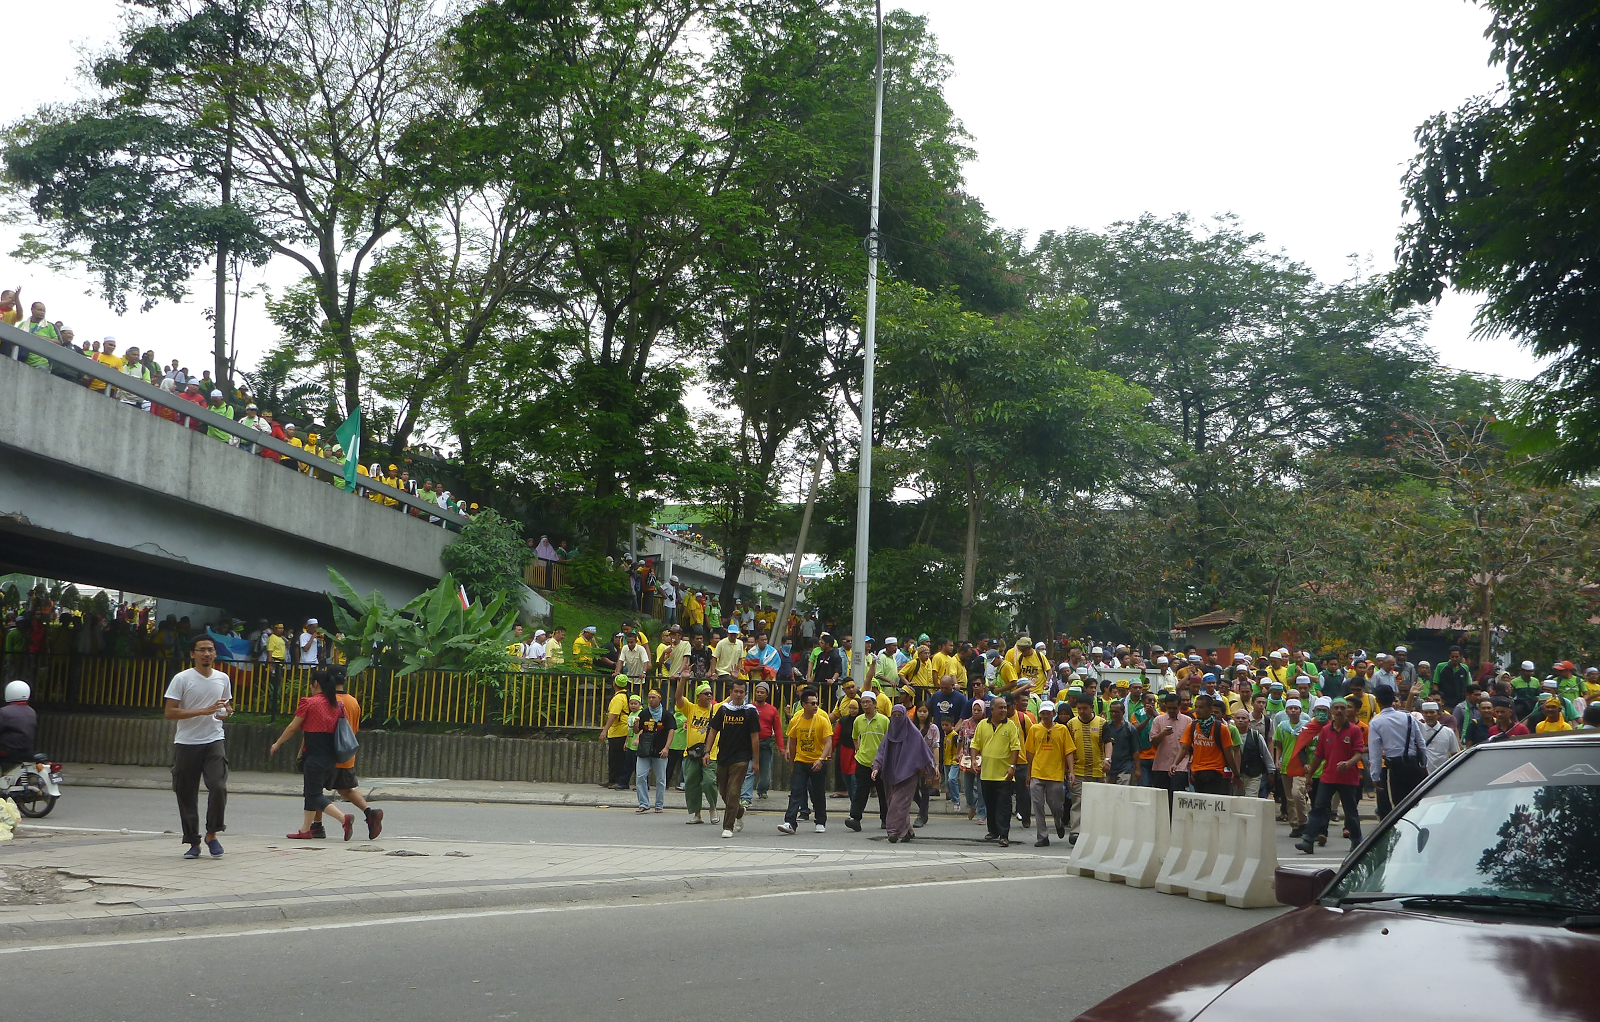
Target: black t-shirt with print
[735,726]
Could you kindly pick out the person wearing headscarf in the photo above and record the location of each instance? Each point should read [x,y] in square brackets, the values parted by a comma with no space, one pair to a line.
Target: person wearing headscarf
[901,763]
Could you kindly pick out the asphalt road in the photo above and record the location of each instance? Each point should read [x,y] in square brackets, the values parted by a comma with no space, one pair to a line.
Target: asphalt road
[1027,948]
[274,816]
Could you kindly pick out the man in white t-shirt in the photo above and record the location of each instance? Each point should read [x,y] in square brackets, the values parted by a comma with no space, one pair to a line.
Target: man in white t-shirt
[309,646]
[198,699]
[533,649]
[669,601]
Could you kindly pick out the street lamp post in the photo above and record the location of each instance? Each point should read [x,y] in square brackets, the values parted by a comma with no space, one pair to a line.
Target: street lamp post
[858,616]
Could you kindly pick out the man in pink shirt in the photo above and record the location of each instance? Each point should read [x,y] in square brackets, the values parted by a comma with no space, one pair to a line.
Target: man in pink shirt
[1170,768]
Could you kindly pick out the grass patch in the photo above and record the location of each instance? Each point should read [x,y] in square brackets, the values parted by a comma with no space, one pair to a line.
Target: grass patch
[575,614]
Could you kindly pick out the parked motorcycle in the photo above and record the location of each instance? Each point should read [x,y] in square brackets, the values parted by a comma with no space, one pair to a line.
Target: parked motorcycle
[33,786]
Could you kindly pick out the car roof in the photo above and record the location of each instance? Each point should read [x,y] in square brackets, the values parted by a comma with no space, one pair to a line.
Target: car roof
[1574,737]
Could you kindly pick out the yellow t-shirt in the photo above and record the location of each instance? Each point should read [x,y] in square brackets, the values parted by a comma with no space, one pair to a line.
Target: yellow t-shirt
[1047,752]
[1552,725]
[995,746]
[810,737]
[1090,760]
[943,665]
[726,656]
[920,672]
[114,361]
[699,722]
[277,648]
[1032,664]
[619,706]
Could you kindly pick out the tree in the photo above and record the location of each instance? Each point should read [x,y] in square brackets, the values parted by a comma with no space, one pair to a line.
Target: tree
[263,127]
[1001,404]
[1482,545]
[488,557]
[1255,364]
[1502,200]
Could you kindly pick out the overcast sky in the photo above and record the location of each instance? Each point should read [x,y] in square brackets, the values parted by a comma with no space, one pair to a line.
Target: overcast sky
[1295,117]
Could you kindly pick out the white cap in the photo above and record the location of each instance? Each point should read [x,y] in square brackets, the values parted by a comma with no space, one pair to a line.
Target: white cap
[1322,703]
[311,620]
[1293,702]
[216,393]
[1083,672]
[870,695]
[1098,649]
[1527,665]
[891,641]
[1063,666]
[1038,645]
[1430,705]
[1241,656]
[1401,649]
[1047,705]
[1161,660]
[1550,683]
[1276,653]
[1194,658]
[1284,650]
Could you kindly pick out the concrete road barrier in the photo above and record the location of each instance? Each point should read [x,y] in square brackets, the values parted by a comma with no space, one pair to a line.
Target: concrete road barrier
[1142,834]
[1096,830]
[1221,848]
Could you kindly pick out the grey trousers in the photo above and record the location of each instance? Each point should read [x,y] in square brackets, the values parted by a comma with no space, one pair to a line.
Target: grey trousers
[1051,795]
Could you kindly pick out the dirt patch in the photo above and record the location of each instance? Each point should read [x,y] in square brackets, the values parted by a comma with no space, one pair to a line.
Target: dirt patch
[32,885]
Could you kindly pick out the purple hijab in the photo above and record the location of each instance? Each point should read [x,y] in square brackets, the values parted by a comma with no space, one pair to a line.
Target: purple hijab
[903,753]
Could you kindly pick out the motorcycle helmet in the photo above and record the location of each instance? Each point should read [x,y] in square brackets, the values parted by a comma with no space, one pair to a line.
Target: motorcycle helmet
[18,692]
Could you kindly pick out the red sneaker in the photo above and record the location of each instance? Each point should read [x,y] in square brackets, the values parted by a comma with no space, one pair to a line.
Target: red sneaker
[301,835]
[374,824]
[349,824]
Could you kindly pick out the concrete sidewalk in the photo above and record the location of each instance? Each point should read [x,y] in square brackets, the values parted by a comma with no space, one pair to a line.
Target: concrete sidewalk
[56,884]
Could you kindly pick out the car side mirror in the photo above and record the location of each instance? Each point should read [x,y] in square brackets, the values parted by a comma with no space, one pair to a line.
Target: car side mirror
[1296,886]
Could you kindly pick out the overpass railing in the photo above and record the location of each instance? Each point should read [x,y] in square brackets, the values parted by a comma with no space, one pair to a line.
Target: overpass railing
[60,354]
[524,699]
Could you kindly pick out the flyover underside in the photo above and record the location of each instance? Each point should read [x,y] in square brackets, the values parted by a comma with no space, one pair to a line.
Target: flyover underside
[62,523]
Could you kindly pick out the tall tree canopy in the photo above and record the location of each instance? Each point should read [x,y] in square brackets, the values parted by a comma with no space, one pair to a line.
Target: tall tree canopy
[1503,201]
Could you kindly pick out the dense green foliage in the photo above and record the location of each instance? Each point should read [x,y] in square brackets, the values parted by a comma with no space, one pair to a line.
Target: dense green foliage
[487,557]
[1504,202]
[433,631]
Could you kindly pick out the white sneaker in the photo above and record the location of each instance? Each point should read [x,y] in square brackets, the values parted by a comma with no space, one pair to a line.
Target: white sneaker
[738,825]
[821,829]
[785,828]
[727,833]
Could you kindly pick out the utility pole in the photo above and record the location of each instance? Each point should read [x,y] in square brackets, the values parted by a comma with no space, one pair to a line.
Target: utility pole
[858,616]
[793,588]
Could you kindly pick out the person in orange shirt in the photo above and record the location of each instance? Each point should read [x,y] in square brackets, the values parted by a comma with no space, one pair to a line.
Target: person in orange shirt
[1211,748]
[344,774]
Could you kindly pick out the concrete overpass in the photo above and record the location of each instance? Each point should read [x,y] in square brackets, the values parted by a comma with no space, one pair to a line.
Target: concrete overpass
[98,491]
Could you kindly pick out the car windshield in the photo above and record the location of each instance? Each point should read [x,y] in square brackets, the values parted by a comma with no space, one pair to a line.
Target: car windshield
[1519,821]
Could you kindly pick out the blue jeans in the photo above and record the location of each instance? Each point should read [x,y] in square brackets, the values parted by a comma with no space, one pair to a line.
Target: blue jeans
[762,784]
[952,784]
[1147,775]
[648,769]
[971,787]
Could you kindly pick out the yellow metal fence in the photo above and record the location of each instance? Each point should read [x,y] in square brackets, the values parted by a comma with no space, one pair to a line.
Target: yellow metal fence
[533,699]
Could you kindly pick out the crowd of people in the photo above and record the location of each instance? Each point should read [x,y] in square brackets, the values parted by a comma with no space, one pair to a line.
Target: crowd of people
[1011,732]
[224,398]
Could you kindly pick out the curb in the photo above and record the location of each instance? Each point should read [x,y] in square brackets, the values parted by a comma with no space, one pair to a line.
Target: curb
[553,893]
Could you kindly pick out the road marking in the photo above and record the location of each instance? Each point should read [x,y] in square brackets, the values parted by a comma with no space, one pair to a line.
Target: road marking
[445,917]
[90,830]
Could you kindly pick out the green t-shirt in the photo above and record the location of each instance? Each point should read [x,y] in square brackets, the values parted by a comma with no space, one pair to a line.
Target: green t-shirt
[633,736]
[868,734]
[680,733]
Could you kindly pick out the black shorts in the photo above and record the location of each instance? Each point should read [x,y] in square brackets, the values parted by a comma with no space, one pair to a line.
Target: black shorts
[342,779]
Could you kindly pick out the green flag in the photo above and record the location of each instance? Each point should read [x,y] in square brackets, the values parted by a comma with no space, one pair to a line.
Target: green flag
[348,436]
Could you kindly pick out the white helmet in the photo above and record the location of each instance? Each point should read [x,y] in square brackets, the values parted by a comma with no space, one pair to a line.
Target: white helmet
[18,692]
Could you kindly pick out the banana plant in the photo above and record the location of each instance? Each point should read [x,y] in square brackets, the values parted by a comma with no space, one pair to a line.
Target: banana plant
[432,632]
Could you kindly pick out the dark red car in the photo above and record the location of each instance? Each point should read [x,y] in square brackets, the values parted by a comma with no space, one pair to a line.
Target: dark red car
[1478,900]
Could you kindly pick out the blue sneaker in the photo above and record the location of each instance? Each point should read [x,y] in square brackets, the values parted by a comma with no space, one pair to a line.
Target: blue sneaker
[193,852]
[216,848]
